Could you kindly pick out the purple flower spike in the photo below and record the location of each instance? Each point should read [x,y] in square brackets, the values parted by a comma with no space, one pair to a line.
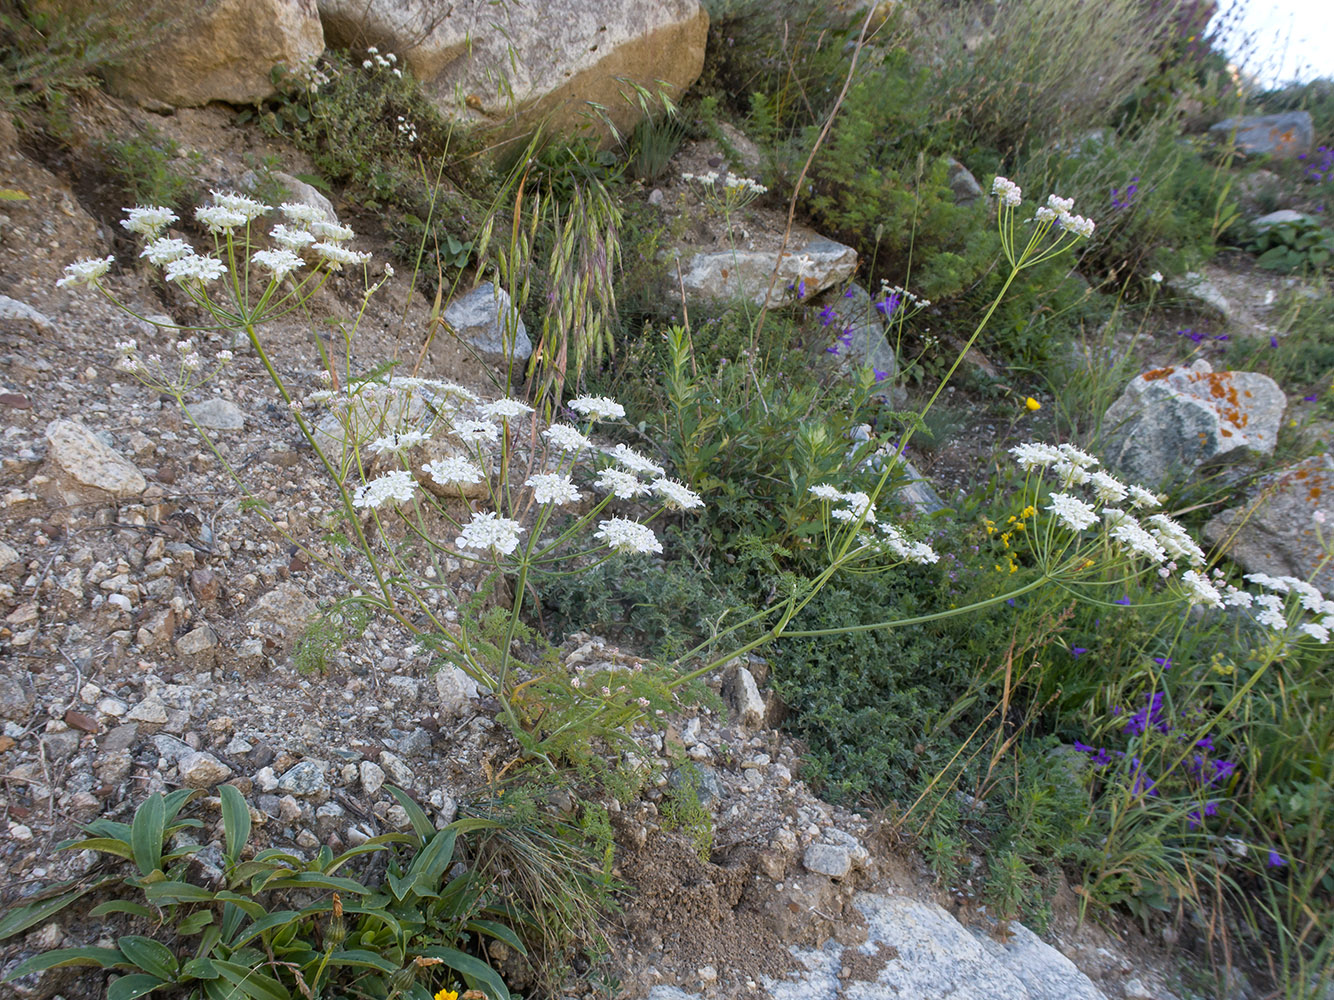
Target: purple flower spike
[831,350]
[1163,661]
[1273,341]
[1275,859]
[827,315]
[801,288]
[1078,651]
[879,375]
[1124,601]
[1309,399]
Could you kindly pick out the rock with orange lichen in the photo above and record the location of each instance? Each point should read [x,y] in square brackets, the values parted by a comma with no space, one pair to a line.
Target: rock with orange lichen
[1278,531]
[1170,421]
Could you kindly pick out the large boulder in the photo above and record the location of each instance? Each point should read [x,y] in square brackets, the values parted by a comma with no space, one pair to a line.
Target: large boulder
[222,50]
[1283,136]
[1275,532]
[1170,421]
[487,321]
[517,65]
[811,264]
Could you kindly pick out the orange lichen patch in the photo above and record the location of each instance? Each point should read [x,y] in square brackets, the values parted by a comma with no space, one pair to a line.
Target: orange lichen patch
[1157,374]
[1222,386]
[1224,432]
[1314,493]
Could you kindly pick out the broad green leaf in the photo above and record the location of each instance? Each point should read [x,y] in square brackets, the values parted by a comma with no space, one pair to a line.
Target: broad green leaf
[150,822]
[107,845]
[172,803]
[498,931]
[379,843]
[199,968]
[362,959]
[263,926]
[317,880]
[178,892]
[253,983]
[122,906]
[235,821]
[430,863]
[153,957]
[195,922]
[421,823]
[102,958]
[23,917]
[472,969]
[130,987]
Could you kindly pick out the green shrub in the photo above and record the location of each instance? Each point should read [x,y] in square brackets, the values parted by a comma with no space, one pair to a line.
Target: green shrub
[150,170]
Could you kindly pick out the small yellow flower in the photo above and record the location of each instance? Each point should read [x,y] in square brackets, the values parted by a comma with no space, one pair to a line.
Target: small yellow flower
[447,995]
[1029,511]
[1032,403]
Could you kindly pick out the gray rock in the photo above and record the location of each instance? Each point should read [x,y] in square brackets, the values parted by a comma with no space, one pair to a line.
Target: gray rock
[828,859]
[1275,531]
[297,191]
[201,770]
[857,336]
[1282,136]
[1169,421]
[1277,219]
[16,697]
[1202,296]
[151,711]
[283,613]
[416,744]
[746,699]
[18,316]
[486,320]
[372,777]
[223,51]
[494,63]
[306,780]
[963,183]
[216,414]
[810,265]
[455,690]
[399,773]
[198,648]
[8,556]
[86,468]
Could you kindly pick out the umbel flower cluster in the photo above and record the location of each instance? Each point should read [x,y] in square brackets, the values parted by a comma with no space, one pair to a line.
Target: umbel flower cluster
[729,191]
[1054,226]
[1092,504]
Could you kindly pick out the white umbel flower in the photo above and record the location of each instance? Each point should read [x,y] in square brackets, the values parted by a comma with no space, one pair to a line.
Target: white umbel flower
[1107,489]
[331,232]
[597,407]
[620,483]
[453,471]
[195,268]
[1200,591]
[563,437]
[279,263]
[625,535]
[1035,455]
[392,444]
[1175,539]
[1008,191]
[552,487]
[1140,498]
[240,204]
[488,531]
[1131,534]
[675,495]
[1074,513]
[476,431]
[636,462]
[398,486]
[1316,632]
[827,492]
[336,256]
[301,214]
[85,272]
[148,220]
[291,239]
[218,219]
[163,251]
[506,409]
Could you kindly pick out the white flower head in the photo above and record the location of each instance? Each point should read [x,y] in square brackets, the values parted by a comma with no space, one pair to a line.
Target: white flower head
[392,444]
[336,256]
[1107,489]
[148,220]
[675,495]
[291,239]
[598,407]
[1140,498]
[563,437]
[249,208]
[163,251]
[301,214]
[453,471]
[195,269]
[506,409]
[1131,534]
[1156,277]
[1175,539]
[1035,455]
[219,219]
[85,272]
[636,462]
[620,483]
[398,486]
[476,431]
[1317,632]
[625,535]
[488,531]
[331,232]
[1200,591]
[1008,191]
[1072,512]
[825,491]
[279,263]
[553,488]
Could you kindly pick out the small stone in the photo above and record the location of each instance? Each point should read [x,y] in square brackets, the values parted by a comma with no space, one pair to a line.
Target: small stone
[16,698]
[198,648]
[486,320]
[202,770]
[746,699]
[20,832]
[151,710]
[307,840]
[397,817]
[265,780]
[372,777]
[455,690]
[113,707]
[399,773]
[217,415]
[205,585]
[416,744]
[289,810]
[827,859]
[79,720]
[306,779]
[90,469]
[237,747]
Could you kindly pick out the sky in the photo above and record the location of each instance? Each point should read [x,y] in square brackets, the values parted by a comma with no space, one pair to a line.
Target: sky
[1281,40]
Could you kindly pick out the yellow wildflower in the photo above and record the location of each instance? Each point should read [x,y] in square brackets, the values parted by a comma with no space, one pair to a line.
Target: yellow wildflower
[447,995]
[1032,403]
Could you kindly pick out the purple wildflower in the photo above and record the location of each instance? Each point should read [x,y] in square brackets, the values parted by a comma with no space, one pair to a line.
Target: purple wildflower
[1078,651]
[1273,341]
[1124,601]
[879,375]
[1163,661]
[1151,716]
[827,315]
[1309,399]
[1275,859]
